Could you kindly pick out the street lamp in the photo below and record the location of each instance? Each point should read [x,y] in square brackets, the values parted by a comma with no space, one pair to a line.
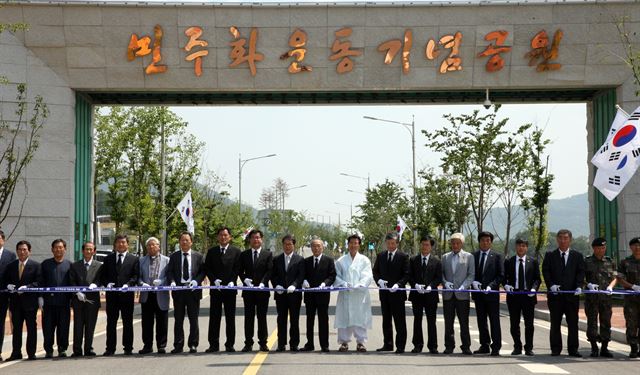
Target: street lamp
[333,212]
[411,128]
[350,210]
[241,164]
[368,179]
[284,193]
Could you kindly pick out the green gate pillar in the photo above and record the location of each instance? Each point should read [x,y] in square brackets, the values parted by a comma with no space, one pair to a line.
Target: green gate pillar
[84,163]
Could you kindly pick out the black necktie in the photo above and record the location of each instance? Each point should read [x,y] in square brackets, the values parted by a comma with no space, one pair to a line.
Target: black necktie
[481,269]
[390,258]
[255,257]
[521,275]
[86,265]
[119,263]
[564,263]
[315,264]
[185,267]
[223,250]
[424,267]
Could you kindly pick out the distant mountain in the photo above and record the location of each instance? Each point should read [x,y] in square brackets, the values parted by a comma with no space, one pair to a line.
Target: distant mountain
[571,213]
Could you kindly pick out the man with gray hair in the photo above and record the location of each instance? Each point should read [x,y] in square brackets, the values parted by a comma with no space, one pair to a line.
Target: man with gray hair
[458,272]
[155,305]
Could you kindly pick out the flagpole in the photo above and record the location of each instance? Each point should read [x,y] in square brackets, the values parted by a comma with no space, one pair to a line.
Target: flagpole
[622,110]
[163,160]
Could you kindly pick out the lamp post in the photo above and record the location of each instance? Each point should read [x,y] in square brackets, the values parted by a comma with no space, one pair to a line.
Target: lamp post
[368,178]
[241,164]
[411,128]
[350,210]
[284,193]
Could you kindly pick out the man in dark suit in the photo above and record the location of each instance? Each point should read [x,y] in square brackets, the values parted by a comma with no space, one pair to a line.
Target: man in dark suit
[222,267]
[20,274]
[56,314]
[287,276]
[522,274]
[6,257]
[120,270]
[319,272]
[392,268]
[563,269]
[425,274]
[256,265]
[154,305]
[186,268]
[489,275]
[85,272]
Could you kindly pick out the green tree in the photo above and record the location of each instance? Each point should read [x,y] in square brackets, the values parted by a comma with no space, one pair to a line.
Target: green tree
[631,50]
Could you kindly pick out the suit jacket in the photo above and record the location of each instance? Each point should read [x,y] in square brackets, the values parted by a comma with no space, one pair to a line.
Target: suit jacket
[569,277]
[53,274]
[80,276]
[396,272]
[30,277]
[294,275]
[174,269]
[432,276]
[324,273]
[531,273]
[260,272]
[129,271]
[161,297]
[6,258]
[224,267]
[492,274]
[463,277]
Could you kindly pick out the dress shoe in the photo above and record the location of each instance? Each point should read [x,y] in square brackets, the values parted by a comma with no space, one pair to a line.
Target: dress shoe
[467,351]
[76,354]
[108,353]
[325,350]
[632,354]
[575,354]
[193,349]
[247,348]
[162,351]
[31,357]
[482,350]
[48,355]
[229,349]
[294,349]
[128,352]
[434,351]
[529,353]
[264,348]
[145,351]
[595,351]
[495,353]
[345,347]
[516,351]
[281,349]
[417,349]
[62,354]
[361,348]
[385,349]
[212,349]
[604,350]
[448,351]
[13,358]
[177,351]
[555,354]
[399,351]
[90,354]
[307,348]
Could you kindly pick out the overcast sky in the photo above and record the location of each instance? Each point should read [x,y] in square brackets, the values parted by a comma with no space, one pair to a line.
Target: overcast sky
[314,144]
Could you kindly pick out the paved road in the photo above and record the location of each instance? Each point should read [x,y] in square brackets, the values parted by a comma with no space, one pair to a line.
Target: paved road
[369,363]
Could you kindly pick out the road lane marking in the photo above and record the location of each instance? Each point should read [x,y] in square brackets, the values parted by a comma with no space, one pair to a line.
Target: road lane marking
[260,357]
[541,368]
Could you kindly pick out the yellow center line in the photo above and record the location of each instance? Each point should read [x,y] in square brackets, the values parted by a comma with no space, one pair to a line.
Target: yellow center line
[257,361]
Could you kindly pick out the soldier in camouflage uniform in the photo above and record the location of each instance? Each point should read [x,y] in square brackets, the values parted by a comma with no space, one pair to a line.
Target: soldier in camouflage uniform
[629,278]
[600,274]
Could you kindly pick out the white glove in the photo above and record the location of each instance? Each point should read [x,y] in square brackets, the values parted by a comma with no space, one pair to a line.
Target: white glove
[22,288]
[261,286]
[382,283]
[193,284]
[157,282]
[111,285]
[322,285]
[593,286]
[508,288]
[291,289]
[636,288]
[217,282]
[428,288]
[81,297]
[533,292]
[92,286]
[145,285]
[279,289]
[486,291]
[461,287]
[609,290]
[125,286]
[578,292]
[448,285]
[419,288]
[11,287]
[305,284]
[173,283]
[555,288]
[231,284]
[40,302]
[248,282]
[394,288]
[476,285]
